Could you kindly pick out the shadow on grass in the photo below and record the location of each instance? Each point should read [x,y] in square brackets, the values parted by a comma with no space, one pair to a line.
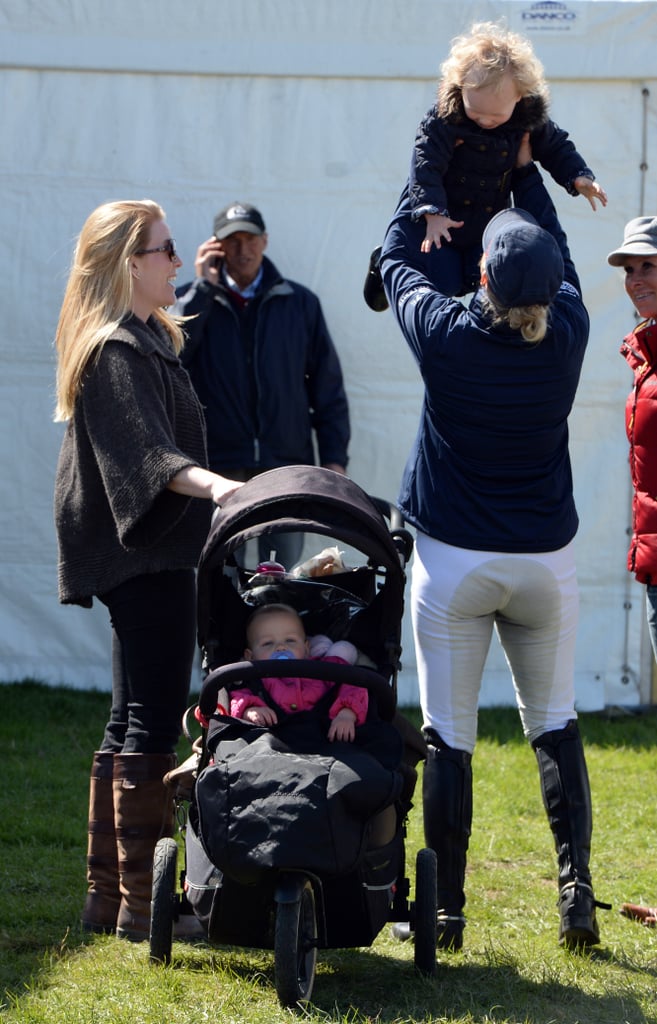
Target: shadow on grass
[355,985]
[624,961]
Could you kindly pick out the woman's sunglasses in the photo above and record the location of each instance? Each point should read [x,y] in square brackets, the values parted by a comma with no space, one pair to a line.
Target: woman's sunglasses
[169,248]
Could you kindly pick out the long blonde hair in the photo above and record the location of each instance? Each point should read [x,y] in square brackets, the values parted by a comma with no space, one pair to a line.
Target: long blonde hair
[484,56]
[99,292]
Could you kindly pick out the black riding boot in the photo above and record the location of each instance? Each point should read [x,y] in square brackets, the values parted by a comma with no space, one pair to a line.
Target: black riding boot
[447,805]
[373,290]
[567,800]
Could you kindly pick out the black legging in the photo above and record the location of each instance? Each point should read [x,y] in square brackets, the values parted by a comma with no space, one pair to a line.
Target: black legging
[153,621]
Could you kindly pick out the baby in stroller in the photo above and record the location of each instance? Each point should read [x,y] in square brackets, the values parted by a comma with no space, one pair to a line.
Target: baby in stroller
[303,765]
[275,631]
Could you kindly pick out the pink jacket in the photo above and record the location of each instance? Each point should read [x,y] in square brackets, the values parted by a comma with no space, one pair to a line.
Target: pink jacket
[299,694]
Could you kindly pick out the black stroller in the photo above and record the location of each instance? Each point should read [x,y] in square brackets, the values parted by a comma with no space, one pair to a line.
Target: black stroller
[293,843]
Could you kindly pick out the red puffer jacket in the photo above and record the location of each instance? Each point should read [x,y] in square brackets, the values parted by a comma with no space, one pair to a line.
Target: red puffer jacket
[640,350]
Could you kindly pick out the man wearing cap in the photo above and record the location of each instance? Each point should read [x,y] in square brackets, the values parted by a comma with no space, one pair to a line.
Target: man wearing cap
[488,487]
[262,361]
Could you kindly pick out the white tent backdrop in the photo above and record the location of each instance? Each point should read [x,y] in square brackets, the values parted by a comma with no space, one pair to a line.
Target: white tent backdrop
[307,109]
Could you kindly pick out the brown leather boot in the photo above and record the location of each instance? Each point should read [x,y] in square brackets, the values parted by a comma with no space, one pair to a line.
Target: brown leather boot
[101,907]
[637,912]
[143,813]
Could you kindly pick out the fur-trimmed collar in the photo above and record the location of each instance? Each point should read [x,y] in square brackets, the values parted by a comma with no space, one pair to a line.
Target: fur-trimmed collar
[530,113]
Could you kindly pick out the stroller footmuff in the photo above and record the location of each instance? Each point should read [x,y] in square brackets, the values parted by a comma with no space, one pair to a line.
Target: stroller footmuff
[276,799]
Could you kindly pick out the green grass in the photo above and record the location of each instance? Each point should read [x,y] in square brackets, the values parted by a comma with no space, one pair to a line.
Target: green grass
[511,970]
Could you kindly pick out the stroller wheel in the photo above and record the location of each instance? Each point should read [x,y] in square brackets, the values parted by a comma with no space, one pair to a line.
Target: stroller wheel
[295,947]
[425,911]
[163,901]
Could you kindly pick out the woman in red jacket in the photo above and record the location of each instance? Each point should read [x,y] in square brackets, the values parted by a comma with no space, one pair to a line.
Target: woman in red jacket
[638,258]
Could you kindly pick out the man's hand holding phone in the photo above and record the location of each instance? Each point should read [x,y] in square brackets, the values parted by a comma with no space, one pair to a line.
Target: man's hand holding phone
[208,260]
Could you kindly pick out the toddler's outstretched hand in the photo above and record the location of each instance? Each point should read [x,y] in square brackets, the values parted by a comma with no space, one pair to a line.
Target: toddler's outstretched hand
[343,726]
[438,230]
[591,189]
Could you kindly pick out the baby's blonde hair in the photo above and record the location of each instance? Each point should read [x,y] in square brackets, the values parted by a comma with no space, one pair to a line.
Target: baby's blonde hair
[485,55]
[264,610]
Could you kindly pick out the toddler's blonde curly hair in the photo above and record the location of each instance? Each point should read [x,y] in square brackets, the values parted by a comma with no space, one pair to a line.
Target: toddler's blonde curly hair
[485,55]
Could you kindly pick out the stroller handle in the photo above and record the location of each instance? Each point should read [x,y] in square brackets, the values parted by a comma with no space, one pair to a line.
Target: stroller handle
[243,672]
[401,537]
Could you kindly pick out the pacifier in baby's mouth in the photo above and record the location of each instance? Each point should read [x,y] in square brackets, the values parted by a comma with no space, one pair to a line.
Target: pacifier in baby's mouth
[282,656]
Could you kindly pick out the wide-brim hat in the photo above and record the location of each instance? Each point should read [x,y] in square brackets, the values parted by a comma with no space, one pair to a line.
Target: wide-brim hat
[640,239]
[523,262]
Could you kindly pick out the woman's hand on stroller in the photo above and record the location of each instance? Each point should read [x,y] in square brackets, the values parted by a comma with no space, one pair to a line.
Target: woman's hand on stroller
[260,715]
[343,726]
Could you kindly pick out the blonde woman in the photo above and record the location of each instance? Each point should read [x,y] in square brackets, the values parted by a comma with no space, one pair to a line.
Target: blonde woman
[488,487]
[491,92]
[133,501]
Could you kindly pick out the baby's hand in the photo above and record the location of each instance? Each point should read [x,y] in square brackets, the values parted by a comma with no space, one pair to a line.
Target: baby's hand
[343,726]
[260,716]
[591,190]
[438,230]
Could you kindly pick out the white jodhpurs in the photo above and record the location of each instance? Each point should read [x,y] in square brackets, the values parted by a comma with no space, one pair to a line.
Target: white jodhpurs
[457,597]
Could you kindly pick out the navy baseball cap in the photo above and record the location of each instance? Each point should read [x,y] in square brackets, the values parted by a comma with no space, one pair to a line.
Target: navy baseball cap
[523,262]
[238,217]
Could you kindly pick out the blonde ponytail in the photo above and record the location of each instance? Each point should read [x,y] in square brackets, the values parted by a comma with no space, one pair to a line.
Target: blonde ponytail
[531,321]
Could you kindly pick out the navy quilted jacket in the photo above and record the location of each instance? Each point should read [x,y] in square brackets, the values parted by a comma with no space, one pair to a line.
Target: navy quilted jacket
[472,179]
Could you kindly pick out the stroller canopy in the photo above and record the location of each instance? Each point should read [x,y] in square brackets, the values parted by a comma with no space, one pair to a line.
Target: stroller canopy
[310,500]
